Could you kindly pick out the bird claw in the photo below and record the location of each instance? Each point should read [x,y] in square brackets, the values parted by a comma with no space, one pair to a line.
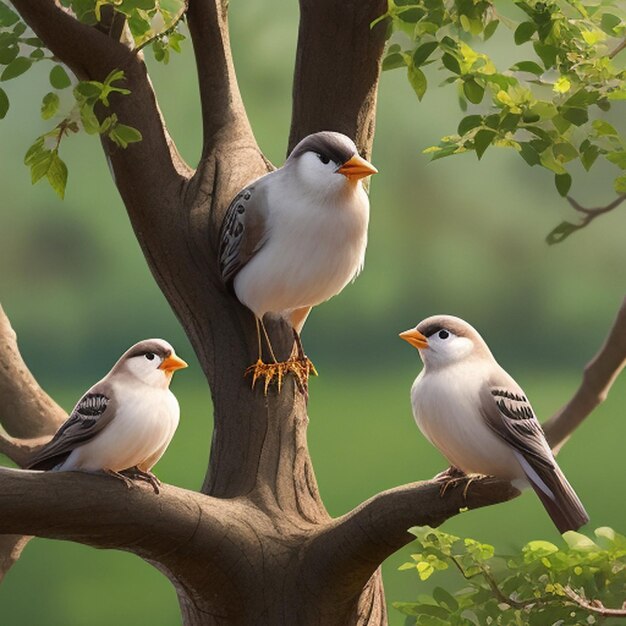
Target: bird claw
[148,477]
[300,367]
[452,476]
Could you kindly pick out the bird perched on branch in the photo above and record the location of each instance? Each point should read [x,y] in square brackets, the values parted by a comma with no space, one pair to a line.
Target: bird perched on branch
[480,419]
[296,237]
[124,422]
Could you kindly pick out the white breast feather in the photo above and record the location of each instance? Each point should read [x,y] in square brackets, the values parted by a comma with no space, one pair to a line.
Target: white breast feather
[144,424]
[311,254]
[446,411]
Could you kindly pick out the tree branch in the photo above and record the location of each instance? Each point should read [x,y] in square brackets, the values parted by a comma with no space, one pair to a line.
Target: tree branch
[11,547]
[599,376]
[378,527]
[593,606]
[565,229]
[26,409]
[337,69]
[223,114]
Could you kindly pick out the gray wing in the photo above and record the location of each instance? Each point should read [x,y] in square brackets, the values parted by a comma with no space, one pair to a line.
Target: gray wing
[243,231]
[508,413]
[92,413]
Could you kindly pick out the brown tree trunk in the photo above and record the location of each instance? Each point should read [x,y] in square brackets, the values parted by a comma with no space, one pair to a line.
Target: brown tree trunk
[256,546]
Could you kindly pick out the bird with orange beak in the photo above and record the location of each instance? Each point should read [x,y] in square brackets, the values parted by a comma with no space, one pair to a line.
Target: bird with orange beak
[295,238]
[123,423]
[480,418]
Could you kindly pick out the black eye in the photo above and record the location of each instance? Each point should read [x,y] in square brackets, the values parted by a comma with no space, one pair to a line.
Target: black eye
[443,334]
[323,158]
[150,356]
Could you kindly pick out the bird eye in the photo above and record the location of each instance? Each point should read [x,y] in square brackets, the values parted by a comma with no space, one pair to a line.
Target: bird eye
[323,158]
[443,334]
[150,356]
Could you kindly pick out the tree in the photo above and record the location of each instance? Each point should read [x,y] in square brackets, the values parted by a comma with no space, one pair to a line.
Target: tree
[256,543]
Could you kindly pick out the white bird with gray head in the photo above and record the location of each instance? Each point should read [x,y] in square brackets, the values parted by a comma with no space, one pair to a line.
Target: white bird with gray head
[480,419]
[124,422]
[296,237]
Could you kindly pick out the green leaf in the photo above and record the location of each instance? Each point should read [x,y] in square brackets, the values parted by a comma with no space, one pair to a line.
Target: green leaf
[579,542]
[473,91]
[546,53]
[445,599]
[17,67]
[451,63]
[422,53]
[620,184]
[49,105]
[528,66]
[7,16]
[482,141]
[418,81]
[603,128]
[563,183]
[4,104]
[59,78]
[589,156]
[529,154]
[564,151]
[578,117]
[390,62]
[490,29]
[90,122]
[618,157]
[609,22]
[122,135]
[425,570]
[468,123]
[524,32]
[8,53]
[57,174]
[561,232]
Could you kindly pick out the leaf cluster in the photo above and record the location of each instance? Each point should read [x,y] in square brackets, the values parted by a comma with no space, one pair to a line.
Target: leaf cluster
[537,586]
[152,22]
[548,106]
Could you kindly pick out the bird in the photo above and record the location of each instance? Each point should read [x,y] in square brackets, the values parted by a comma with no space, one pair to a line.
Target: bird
[294,238]
[124,422]
[475,413]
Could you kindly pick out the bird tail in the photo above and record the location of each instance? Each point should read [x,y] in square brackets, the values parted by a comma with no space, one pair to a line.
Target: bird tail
[560,501]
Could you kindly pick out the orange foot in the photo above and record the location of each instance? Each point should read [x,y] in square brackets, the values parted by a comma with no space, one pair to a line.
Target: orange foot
[301,368]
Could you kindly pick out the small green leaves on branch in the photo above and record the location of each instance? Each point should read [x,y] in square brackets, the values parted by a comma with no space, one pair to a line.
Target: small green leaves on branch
[547,107]
[43,156]
[542,584]
[149,21]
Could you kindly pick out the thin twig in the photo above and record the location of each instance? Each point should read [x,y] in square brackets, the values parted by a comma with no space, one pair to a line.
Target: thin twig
[565,229]
[594,606]
[620,46]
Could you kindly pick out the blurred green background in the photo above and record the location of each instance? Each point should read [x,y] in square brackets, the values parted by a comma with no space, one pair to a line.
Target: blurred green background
[454,236]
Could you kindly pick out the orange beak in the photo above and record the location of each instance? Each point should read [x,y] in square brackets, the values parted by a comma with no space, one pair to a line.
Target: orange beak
[357,168]
[172,363]
[415,338]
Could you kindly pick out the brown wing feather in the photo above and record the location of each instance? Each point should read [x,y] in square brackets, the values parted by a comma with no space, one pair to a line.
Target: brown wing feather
[92,413]
[243,231]
[509,414]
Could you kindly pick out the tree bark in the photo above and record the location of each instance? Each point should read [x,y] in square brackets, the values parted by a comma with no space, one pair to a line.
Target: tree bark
[256,545]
